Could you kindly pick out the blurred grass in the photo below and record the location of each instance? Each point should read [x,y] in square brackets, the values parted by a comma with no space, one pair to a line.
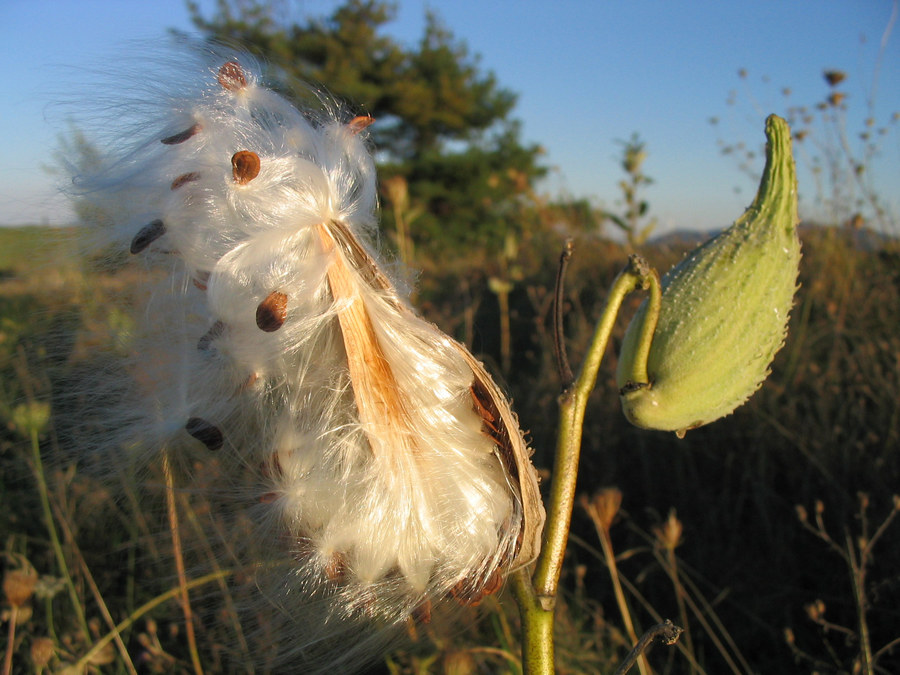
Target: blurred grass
[747,573]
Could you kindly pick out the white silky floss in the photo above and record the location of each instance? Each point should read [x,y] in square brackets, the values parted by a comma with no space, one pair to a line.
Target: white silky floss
[389,468]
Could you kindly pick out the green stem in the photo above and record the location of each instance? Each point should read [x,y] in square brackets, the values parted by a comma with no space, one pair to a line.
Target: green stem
[639,364]
[51,531]
[538,599]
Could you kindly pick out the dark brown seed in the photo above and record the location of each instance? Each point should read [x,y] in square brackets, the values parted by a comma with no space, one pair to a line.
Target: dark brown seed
[185,178]
[148,234]
[470,592]
[231,76]
[271,312]
[206,433]
[181,136]
[244,166]
[205,342]
[357,124]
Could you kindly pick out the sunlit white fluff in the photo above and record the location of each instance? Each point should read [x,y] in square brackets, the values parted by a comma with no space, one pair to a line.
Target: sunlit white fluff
[377,465]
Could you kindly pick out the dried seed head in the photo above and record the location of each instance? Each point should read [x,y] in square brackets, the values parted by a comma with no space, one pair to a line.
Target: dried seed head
[148,234]
[605,505]
[41,652]
[18,584]
[834,77]
[205,432]
[181,136]
[244,166]
[231,76]
[724,310]
[104,656]
[815,610]
[272,312]
[669,533]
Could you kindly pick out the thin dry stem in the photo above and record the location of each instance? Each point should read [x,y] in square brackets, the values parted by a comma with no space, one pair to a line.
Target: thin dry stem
[95,590]
[559,338]
[179,563]
[10,641]
[666,632]
[139,612]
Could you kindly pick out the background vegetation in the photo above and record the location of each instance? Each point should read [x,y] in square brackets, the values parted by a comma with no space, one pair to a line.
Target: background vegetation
[771,536]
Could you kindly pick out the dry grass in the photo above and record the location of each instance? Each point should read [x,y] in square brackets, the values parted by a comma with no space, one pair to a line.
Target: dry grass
[759,588]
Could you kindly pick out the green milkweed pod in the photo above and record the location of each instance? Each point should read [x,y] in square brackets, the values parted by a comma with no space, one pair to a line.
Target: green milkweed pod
[724,310]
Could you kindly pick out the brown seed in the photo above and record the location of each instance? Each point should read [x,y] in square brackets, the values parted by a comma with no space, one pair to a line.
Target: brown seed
[422,613]
[184,179]
[181,136]
[201,280]
[231,76]
[205,342]
[470,592]
[357,124]
[244,166]
[271,312]
[249,382]
[336,569]
[148,234]
[205,432]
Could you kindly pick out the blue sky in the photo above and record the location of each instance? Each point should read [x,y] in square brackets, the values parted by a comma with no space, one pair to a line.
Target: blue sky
[588,73]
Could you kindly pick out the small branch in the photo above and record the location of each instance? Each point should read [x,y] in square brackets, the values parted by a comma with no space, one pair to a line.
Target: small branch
[559,339]
[666,632]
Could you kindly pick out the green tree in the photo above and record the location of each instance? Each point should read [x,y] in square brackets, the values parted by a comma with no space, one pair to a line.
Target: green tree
[443,124]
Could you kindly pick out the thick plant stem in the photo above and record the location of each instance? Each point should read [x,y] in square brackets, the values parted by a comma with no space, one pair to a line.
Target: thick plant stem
[537,599]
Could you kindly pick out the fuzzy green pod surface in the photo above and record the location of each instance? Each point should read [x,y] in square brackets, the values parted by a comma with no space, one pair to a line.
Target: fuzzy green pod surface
[724,310]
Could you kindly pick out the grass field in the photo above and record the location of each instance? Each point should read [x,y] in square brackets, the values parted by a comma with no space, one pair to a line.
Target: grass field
[771,535]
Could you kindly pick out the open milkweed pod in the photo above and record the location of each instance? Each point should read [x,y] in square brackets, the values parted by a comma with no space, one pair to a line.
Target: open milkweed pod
[375,467]
[724,311]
